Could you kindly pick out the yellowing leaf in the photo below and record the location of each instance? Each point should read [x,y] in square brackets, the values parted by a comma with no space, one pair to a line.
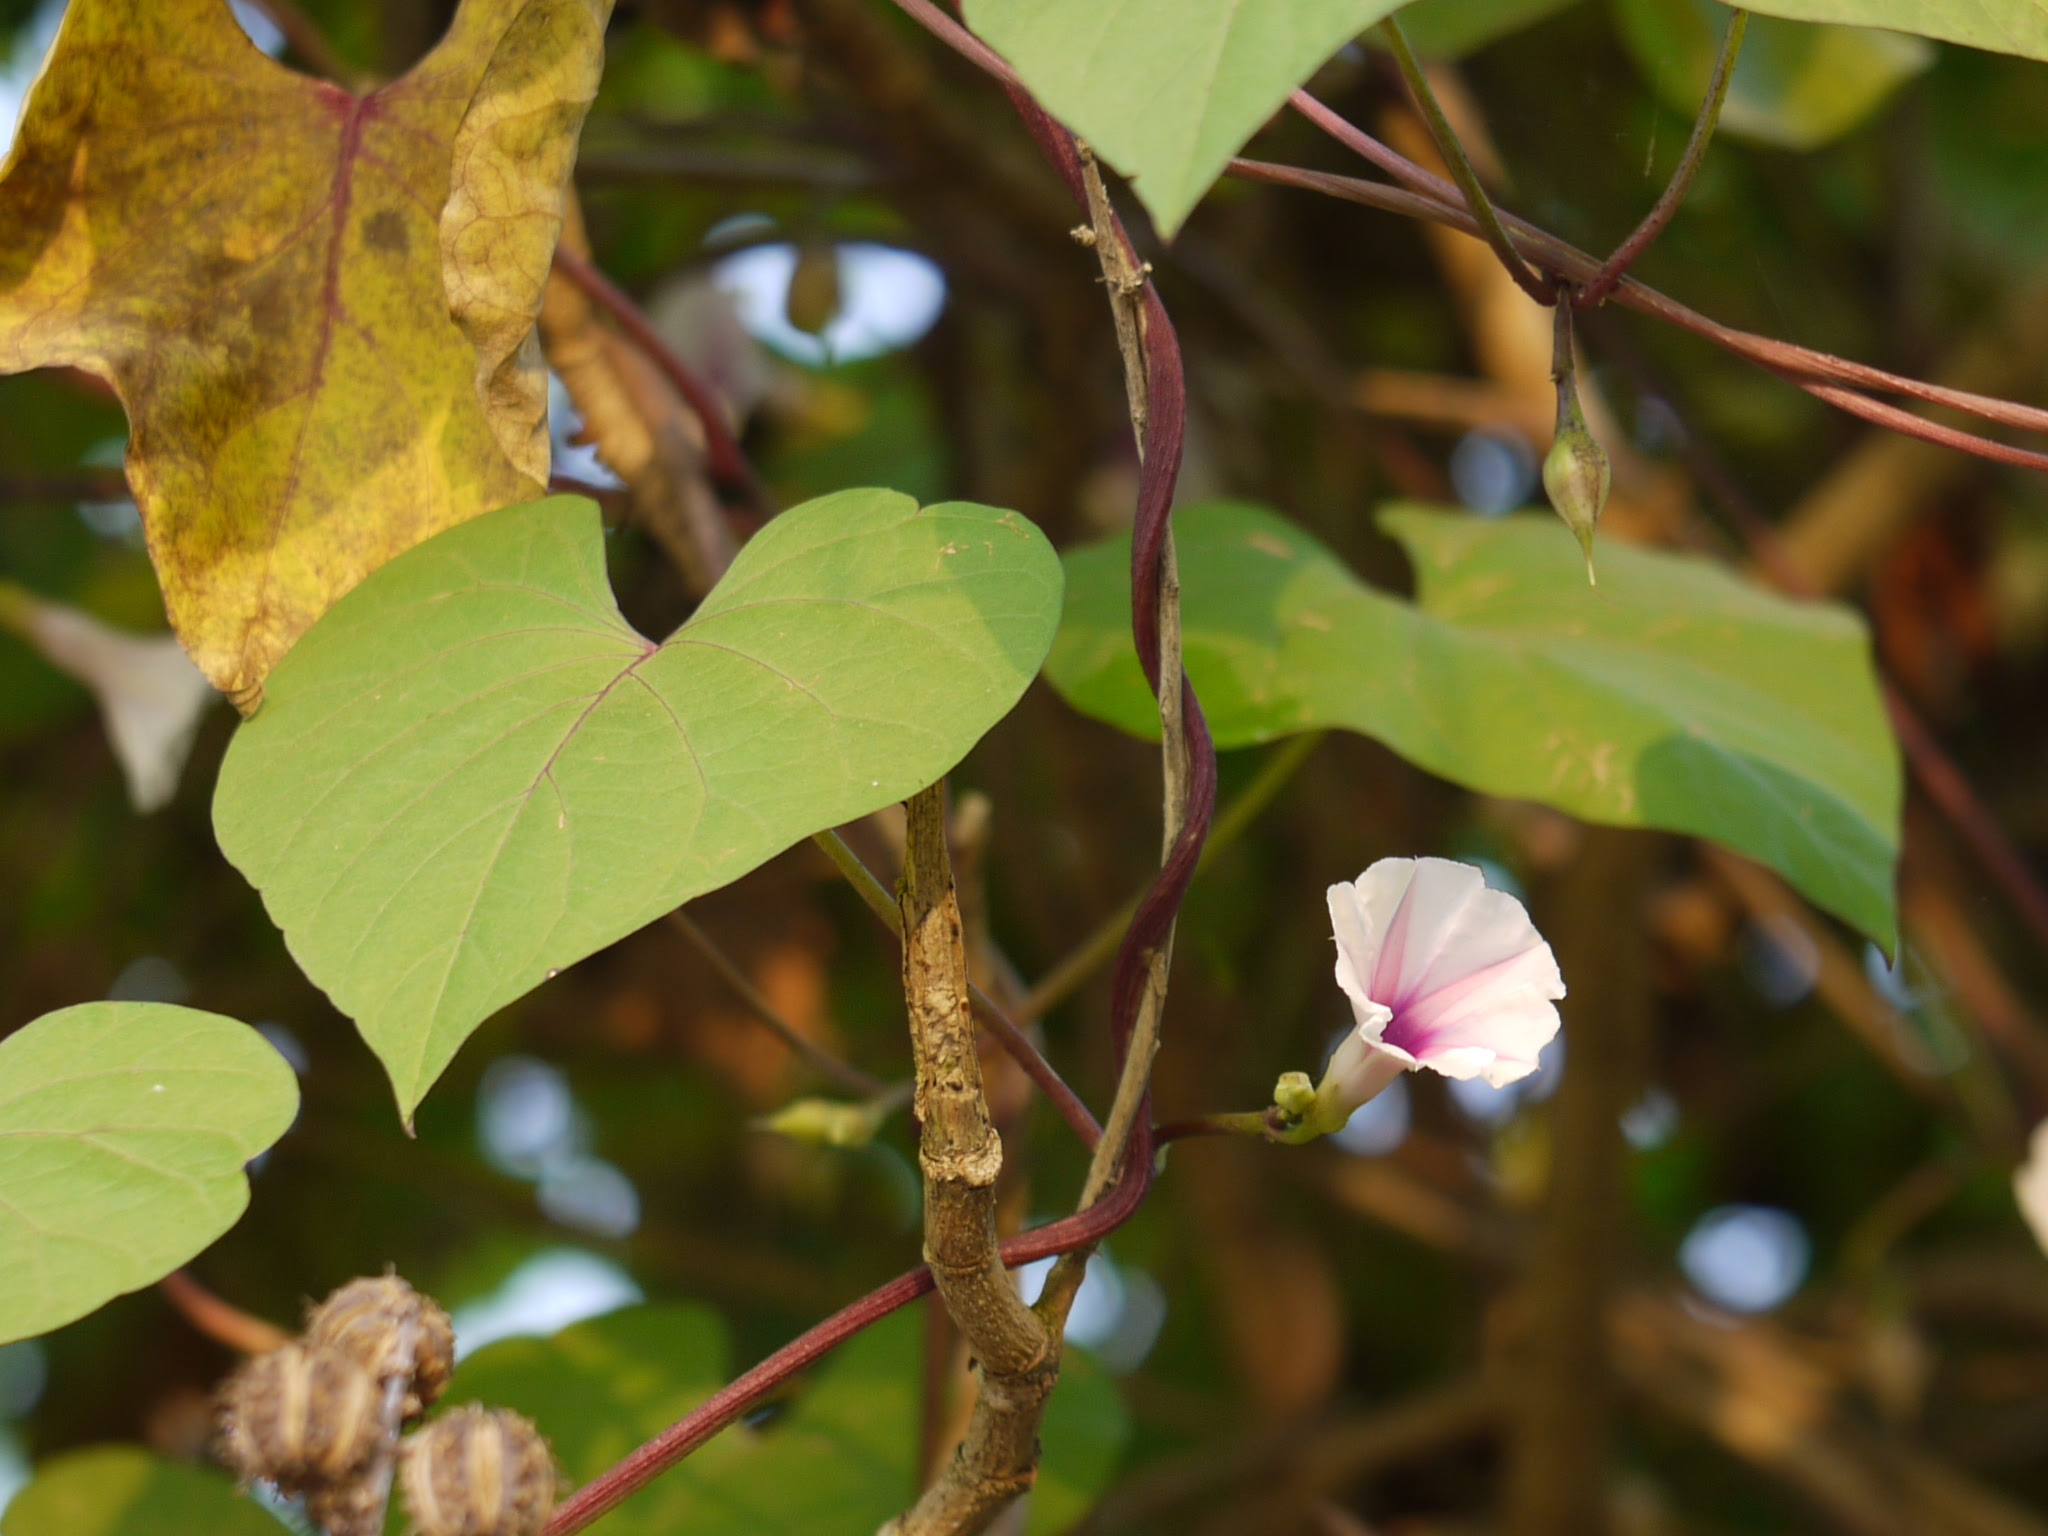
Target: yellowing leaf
[314,305]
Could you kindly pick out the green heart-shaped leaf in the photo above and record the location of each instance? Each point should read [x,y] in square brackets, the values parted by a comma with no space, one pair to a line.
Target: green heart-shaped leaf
[842,1458]
[472,772]
[123,1490]
[1450,29]
[1168,90]
[2003,26]
[1672,695]
[124,1130]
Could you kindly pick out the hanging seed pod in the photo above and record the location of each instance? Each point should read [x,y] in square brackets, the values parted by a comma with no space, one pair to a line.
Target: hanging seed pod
[389,1329]
[1576,473]
[478,1471]
[300,1417]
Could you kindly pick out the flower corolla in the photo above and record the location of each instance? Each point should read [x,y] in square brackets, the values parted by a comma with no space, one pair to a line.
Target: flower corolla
[2030,1184]
[1443,973]
[150,694]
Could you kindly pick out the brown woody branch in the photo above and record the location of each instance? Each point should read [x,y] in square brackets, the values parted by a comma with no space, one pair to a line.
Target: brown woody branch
[1017,1359]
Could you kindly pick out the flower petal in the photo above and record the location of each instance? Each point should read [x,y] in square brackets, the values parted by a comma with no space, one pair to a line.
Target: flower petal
[1438,893]
[1360,914]
[150,694]
[1467,979]
[2030,1184]
[1471,928]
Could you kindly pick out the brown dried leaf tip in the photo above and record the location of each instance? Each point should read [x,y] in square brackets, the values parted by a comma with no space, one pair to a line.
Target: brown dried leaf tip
[478,1471]
[389,1329]
[300,1417]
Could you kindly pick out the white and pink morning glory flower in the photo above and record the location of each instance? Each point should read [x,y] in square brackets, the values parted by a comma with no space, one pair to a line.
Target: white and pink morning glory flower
[1443,973]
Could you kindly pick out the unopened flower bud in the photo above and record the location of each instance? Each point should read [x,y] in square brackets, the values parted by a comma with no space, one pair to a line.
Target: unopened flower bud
[1294,1093]
[301,1417]
[389,1329]
[478,1471]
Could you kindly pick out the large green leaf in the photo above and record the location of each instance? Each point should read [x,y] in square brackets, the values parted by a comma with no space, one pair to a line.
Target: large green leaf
[838,1462]
[2003,26]
[124,1128]
[1671,695]
[1168,90]
[472,772]
[124,1490]
[1794,86]
[1450,29]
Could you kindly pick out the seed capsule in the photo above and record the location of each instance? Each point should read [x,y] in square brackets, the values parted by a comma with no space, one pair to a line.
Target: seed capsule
[300,1417]
[478,1471]
[1576,474]
[353,1508]
[372,1322]
[1576,477]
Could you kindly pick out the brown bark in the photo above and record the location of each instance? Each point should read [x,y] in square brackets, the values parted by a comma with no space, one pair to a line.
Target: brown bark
[1017,1360]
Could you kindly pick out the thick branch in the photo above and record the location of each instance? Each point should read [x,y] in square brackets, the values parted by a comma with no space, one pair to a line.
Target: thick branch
[1017,1360]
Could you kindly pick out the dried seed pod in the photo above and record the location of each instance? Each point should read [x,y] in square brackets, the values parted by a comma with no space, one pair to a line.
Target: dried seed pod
[478,1471]
[353,1508]
[300,1417]
[372,1322]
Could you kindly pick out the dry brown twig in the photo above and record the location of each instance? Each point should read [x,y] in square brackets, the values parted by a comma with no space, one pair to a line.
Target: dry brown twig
[1125,277]
[639,424]
[1017,1357]
[219,1320]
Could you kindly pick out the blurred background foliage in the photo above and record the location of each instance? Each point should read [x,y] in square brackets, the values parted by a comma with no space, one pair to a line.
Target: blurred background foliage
[1820,1308]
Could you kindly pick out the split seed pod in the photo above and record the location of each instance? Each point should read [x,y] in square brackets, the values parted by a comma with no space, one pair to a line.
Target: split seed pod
[478,1471]
[300,1417]
[374,1321]
[353,1508]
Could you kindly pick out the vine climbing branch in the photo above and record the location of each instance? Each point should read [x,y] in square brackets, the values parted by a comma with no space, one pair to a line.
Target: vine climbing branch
[1530,281]
[1644,234]
[1017,1359]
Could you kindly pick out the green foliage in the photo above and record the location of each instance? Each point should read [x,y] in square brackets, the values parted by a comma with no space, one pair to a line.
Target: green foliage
[124,1128]
[1671,695]
[2002,26]
[123,1490]
[1167,93]
[1795,86]
[1450,29]
[839,1459]
[474,773]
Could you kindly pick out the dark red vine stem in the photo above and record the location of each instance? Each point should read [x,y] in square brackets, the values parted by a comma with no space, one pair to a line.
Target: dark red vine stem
[1165,438]
[1429,196]
[1820,374]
